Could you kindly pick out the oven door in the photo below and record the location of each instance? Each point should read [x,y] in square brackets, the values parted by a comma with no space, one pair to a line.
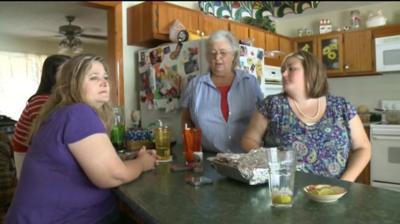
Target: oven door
[394,187]
[385,159]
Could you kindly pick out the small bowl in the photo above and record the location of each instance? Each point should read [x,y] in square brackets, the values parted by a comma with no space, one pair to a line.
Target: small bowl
[324,193]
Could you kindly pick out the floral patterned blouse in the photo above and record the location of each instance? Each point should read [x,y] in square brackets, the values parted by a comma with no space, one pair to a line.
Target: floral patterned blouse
[322,148]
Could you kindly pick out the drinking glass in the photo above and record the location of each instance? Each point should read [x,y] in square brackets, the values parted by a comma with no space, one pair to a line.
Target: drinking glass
[282,167]
[162,137]
[192,145]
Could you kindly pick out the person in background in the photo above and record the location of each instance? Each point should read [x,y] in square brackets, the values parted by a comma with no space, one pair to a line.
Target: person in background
[71,164]
[33,105]
[222,101]
[324,129]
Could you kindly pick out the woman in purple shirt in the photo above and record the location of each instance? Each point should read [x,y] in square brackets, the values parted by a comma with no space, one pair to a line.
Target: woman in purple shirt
[71,163]
[325,130]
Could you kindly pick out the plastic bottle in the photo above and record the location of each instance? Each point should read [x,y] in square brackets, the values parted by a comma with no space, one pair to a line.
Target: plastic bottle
[118,130]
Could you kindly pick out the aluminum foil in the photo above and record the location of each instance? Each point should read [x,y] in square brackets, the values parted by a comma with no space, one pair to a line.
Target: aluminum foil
[250,167]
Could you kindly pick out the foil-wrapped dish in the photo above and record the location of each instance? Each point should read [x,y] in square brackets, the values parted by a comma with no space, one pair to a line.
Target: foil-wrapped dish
[248,167]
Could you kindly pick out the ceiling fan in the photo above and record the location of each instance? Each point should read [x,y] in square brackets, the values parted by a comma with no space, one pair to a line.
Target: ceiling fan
[72,34]
[71,31]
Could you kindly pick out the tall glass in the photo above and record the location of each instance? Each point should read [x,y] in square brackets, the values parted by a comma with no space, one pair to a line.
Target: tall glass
[282,167]
[192,145]
[162,137]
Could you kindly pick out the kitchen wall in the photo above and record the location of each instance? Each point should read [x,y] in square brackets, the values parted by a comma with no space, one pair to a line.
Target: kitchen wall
[359,90]
[367,90]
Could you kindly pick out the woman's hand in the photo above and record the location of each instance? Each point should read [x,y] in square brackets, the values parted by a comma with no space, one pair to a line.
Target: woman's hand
[147,158]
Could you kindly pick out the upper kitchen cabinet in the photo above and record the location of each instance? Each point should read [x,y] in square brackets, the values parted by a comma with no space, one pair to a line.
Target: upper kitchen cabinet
[272,44]
[388,30]
[168,13]
[239,30]
[359,57]
[148,23]
[277,47]
[330,52]
[209,24]
[258,37]
[308,44]
[344,54]
[285,47]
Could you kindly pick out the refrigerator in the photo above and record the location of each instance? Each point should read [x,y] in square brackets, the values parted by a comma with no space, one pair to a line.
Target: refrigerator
[165,70]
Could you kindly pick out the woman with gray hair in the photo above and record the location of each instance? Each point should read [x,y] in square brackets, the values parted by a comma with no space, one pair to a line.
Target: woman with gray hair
[221,101]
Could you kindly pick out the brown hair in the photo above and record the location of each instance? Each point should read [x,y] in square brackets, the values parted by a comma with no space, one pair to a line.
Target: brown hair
[68,90]
[314,73]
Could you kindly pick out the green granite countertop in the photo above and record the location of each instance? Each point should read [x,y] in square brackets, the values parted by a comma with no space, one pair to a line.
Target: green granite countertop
[162,196]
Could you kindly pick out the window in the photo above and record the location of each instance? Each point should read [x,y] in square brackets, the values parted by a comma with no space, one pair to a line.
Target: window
[19,79]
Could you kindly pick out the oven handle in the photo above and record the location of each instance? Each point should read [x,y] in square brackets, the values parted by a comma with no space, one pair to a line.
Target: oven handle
[382,137]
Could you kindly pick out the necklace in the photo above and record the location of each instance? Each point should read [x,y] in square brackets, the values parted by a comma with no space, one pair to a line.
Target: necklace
[303,114]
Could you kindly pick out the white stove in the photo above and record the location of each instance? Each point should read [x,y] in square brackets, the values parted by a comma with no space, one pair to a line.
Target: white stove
[385,159]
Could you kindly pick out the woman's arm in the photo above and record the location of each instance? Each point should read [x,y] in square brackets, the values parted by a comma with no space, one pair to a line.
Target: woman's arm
[252,138]
[361,150]
[98,158]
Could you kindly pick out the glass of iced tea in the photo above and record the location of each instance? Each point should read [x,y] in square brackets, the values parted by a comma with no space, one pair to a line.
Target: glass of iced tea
[192,145]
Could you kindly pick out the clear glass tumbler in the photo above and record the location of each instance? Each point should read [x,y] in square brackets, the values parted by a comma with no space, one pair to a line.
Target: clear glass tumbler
[282,167]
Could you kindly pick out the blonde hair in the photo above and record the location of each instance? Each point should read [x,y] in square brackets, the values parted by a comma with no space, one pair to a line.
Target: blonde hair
[68,90]
[314,73]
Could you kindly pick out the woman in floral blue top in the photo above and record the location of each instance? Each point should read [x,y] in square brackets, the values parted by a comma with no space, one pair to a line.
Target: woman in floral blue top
[325,130]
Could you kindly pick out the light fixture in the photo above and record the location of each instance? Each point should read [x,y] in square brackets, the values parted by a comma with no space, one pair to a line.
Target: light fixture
[70,43]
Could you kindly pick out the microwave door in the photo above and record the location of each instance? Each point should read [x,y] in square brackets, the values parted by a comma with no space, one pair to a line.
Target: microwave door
[387,56]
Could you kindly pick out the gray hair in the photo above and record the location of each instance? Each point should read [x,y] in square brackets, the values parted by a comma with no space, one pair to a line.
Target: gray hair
[228,37]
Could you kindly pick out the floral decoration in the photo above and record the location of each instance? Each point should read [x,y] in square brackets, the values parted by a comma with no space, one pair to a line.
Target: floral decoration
[259,12]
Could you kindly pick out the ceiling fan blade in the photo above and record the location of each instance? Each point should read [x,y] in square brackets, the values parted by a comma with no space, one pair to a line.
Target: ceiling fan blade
[93,36]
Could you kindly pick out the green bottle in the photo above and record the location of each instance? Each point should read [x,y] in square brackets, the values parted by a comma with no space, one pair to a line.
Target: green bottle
[118,130]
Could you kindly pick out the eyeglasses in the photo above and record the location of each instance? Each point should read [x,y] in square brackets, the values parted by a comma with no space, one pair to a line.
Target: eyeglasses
[223,53]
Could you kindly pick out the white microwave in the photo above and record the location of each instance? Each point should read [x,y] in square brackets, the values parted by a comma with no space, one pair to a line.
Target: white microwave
[387,53]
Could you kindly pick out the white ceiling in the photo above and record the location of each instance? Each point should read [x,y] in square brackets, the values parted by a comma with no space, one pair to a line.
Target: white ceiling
[40,20]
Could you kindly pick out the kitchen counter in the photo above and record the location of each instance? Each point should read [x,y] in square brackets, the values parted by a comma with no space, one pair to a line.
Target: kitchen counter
[162,196]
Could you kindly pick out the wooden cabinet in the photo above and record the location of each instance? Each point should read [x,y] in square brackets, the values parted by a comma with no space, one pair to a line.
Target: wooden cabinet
[209,24]
[330,52]
[358,52]
[308,44]
[148,23]
[240,31]
[272,44]
[285,46]
[279,45]
[343,53]
[258,37]
[166,14]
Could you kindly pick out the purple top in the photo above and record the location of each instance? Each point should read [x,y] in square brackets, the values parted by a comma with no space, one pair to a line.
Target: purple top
[53,187]
[324,146]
